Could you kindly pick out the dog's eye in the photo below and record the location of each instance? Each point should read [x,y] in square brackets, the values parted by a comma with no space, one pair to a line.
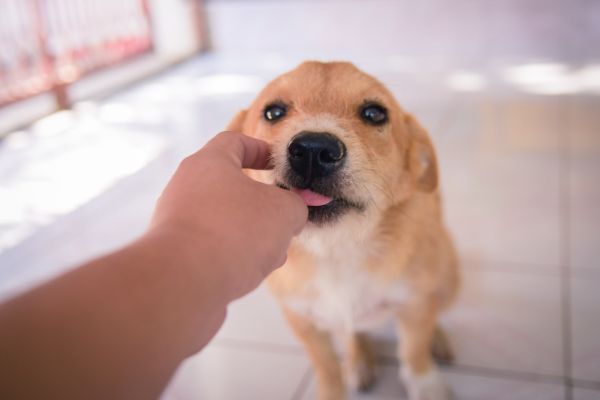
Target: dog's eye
[374,114]
[274,112]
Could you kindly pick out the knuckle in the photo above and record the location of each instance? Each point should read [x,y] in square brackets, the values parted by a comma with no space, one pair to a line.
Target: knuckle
[228,135]
[186,161]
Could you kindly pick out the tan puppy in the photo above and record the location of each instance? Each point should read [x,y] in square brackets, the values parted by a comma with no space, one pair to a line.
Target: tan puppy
[375,246]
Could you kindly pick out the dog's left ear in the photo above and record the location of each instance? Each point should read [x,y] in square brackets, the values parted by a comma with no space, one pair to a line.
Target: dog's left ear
[237,123]
[421,159]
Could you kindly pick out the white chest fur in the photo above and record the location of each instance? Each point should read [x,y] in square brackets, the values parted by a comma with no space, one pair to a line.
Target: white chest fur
[343,294]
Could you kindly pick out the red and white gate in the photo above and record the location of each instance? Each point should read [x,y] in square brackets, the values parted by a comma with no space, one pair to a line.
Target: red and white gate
[47,44]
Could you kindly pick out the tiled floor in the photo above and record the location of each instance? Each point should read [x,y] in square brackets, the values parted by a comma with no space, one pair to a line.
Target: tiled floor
[520,181]
[466,386]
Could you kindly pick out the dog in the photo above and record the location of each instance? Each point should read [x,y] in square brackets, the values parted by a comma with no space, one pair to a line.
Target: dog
[375,246]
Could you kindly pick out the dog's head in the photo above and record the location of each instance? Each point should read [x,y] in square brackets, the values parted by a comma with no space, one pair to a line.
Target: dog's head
[339,140]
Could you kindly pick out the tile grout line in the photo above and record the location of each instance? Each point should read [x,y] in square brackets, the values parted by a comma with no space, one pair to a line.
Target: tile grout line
[565,242]
[491,372]
[303,384]
[582,383]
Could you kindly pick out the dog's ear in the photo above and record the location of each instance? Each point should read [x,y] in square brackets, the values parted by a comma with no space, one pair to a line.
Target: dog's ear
[421,159]
[237,123]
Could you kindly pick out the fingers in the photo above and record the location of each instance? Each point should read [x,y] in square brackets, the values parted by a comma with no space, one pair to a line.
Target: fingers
[245,151]
[294,210]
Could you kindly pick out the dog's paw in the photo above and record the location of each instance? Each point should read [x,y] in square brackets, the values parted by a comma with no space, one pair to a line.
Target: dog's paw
[440,347]
[429,386]
[361,376]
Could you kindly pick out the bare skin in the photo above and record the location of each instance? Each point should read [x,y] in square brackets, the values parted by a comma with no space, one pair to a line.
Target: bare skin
[118,327]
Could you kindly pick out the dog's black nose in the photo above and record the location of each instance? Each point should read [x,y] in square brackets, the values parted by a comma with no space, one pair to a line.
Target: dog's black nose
[315,155]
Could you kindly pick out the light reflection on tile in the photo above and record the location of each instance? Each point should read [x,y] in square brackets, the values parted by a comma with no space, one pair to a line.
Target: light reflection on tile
[64,171]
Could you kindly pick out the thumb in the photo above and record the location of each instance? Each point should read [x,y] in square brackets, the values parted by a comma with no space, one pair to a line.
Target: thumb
[245,152]
[293,209]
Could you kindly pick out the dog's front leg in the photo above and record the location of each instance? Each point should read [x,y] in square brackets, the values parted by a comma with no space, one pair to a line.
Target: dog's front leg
[360,362]
[321,351]
[416,326]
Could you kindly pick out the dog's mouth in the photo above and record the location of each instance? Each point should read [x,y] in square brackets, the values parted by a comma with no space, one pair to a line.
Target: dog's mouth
[312,198]
[323,208]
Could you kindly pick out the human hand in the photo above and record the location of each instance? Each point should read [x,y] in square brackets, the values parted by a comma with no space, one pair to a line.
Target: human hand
[211,206]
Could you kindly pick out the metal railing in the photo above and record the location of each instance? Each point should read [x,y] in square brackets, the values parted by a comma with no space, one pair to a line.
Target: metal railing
[48,44]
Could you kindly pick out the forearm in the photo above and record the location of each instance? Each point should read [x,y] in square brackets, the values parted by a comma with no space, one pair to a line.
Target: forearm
[115,328]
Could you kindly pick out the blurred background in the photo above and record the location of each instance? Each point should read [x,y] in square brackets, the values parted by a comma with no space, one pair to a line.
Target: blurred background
[99,100]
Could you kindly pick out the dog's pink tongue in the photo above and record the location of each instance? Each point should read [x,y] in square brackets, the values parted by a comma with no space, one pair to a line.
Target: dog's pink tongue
[311,198]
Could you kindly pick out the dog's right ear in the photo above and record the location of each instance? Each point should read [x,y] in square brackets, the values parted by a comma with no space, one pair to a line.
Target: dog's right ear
[237,123]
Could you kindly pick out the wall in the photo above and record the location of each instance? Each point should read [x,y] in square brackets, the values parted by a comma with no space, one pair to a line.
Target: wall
[460,28]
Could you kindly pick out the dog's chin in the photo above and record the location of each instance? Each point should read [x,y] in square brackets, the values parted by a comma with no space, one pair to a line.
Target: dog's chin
[330,212]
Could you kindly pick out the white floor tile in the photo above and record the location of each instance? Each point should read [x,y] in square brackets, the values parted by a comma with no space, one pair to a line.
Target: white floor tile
[221,373]
[505,230]
[586,394]
[474,387]
[463,386]
[499,169]
[584,191]
[583,122]
[584,214]
[583,177]
[509,321]
[585,321]
[257,318]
